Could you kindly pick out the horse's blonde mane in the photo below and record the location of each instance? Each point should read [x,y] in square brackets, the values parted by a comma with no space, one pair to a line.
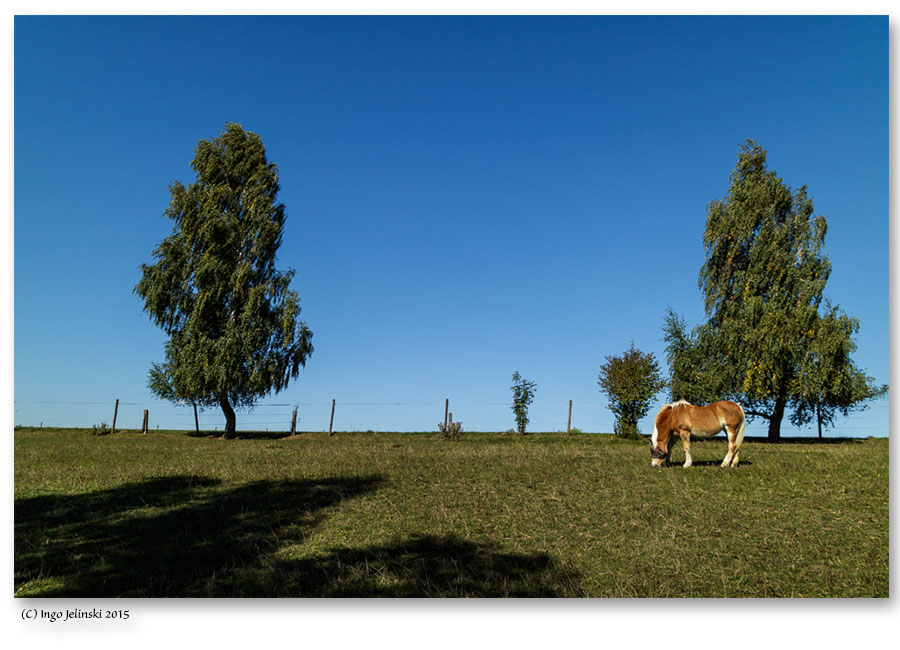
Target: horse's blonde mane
[681,402]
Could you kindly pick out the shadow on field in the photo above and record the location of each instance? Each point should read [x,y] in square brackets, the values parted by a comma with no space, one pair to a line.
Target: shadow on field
[425,566]
[806,441]
[172,536]
[186,536]
[679,464]
[781,441]
[242,435]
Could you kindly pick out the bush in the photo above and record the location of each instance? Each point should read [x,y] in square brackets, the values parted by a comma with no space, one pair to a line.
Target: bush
[631,382]
[451,431]
[101,430]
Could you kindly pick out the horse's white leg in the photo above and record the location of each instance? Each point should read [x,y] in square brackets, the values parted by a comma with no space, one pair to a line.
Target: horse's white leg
[686,441]
[734,447]
[739,438]
[731,458]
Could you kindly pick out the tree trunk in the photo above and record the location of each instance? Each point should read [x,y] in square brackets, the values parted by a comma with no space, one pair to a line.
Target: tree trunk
[230,420]
[775,420]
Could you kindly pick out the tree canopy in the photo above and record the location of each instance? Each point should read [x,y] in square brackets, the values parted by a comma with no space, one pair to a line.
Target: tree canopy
[765,342]
[233,322]
[630,381]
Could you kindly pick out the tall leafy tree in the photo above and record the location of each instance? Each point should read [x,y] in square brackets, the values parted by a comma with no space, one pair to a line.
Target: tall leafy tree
[765,342]
[233,322]
[630,381]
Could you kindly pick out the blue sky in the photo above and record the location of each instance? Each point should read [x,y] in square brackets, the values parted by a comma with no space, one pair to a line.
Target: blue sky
[466,197]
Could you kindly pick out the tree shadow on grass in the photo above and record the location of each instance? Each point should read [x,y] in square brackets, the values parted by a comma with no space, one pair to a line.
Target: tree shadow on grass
[188,536]
[679,464]
[172,536]
[425,566]
[242,435]
[808,440]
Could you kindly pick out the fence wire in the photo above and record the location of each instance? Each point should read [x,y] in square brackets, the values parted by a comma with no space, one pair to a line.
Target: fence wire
[403,416]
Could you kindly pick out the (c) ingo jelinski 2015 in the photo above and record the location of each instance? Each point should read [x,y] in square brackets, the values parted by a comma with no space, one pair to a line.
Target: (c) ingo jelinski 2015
[70,614]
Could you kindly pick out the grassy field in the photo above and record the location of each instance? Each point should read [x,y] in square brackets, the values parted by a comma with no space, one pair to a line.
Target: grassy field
[174,514]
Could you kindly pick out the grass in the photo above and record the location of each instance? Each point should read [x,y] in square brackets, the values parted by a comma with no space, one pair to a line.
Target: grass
[172,514]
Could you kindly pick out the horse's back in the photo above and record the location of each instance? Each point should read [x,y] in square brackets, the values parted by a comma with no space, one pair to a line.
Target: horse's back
[700,421]
[706,421]
[729,411]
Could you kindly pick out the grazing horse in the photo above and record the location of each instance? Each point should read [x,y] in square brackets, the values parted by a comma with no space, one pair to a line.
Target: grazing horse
[686,420]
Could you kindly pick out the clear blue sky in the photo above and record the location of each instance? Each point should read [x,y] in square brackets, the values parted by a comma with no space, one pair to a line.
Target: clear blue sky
[466,197]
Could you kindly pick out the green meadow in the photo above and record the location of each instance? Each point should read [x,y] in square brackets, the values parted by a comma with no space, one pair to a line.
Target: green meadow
[173,514]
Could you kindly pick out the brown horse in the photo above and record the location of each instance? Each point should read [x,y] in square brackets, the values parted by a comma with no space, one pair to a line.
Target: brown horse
[686,420]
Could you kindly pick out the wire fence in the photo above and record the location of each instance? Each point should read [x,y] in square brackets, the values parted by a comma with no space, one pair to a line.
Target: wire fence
[311,416]
[594,417]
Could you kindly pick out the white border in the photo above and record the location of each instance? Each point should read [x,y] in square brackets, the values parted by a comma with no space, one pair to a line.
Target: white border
[442,624]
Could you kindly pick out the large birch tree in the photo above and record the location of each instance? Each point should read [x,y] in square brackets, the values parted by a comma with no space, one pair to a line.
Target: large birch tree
[233,322]
[765,342]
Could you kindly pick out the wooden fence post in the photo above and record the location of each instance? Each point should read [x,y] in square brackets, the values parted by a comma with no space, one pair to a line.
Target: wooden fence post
[145,426]
[294,423]
[115,414]
[196,419]
[446,409]
[569,426]
[331,423]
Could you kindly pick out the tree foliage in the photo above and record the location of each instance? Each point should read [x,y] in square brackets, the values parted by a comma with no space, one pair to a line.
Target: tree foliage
[523,394]
[233,322]
[630,381]
[765,342]
[827,381]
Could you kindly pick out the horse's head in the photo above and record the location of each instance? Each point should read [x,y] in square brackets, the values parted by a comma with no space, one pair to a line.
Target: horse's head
[658,456]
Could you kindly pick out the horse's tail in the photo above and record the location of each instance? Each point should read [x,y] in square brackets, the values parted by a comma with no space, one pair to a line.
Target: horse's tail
[742,428]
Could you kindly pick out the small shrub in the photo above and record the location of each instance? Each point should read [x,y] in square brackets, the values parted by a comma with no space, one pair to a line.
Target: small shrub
[575,430]
[630,381]
[100,430]
[523,394]
[451,431]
